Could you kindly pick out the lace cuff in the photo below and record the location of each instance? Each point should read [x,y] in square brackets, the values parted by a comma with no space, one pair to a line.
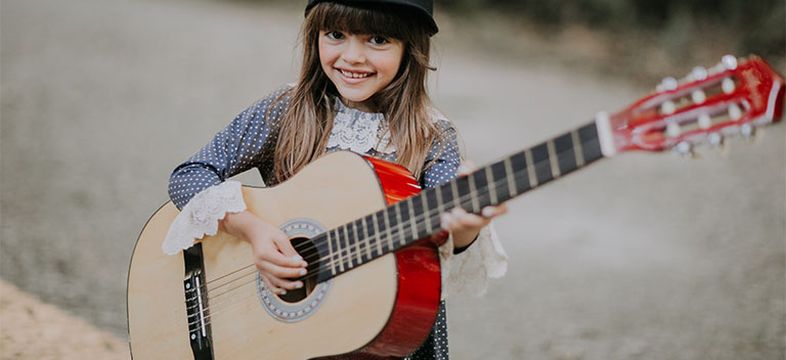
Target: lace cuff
[469,271]
[201,215]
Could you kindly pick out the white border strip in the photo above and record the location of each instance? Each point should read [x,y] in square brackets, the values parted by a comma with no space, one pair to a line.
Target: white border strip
[603,123]
[773,98]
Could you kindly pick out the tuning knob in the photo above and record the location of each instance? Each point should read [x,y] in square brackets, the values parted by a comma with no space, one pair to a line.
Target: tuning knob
[747,131]
[715,139]
[684,149]
[729,62]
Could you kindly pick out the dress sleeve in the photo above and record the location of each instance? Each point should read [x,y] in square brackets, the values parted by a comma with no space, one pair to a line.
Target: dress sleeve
[468,271]
[199,187]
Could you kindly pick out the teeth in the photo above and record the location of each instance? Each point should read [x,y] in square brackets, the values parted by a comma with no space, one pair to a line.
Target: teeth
[355,75]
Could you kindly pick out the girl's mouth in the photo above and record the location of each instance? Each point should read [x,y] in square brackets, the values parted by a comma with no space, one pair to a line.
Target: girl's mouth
[354,75]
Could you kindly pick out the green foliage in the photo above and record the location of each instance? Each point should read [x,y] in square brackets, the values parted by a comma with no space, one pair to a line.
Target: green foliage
[757,25]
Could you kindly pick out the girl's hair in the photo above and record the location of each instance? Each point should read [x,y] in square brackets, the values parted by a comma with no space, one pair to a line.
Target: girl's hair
[305,127]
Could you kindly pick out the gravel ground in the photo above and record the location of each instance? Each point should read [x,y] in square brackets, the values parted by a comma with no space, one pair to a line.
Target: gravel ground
[638,257]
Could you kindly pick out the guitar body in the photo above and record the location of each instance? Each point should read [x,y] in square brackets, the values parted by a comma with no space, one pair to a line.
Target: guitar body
[381,309]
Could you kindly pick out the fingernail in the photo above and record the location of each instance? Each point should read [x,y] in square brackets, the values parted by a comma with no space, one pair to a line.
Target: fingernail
[303,271]
[282,292]
[297,258]
[487,211]
[298,285]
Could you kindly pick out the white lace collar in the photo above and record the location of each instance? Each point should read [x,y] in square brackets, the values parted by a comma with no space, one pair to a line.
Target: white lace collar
[359,131]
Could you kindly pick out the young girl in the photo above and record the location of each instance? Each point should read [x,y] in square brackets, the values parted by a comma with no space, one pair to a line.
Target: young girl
[362,88]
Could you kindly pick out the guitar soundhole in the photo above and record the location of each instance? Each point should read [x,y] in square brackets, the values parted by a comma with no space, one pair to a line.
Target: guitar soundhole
[307,250]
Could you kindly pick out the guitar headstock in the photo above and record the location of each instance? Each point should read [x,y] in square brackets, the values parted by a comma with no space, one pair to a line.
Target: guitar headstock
[733,97]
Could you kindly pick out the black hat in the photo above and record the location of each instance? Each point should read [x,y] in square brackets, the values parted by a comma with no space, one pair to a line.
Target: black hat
[423,7]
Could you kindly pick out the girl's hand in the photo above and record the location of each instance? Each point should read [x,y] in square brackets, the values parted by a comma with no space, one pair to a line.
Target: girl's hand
[274,256]
[465,226]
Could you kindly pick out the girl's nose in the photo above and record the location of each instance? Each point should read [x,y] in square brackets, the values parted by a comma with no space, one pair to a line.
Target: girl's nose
[354,52]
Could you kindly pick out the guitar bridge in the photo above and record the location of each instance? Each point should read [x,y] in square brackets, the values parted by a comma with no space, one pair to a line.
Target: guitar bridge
[197,310]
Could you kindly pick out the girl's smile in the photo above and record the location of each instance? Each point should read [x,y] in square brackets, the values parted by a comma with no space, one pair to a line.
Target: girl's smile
[359,65]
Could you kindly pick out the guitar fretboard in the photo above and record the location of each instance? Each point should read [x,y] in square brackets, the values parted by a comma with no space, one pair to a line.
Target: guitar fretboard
[385,231]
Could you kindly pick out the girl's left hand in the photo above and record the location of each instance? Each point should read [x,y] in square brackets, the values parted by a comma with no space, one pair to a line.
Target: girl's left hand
[465,226]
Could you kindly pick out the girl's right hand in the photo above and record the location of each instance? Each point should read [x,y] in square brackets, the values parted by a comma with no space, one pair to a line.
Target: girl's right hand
[274,256]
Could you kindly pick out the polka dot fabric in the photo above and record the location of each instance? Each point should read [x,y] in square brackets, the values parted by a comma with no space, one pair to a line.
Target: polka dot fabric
[249,141]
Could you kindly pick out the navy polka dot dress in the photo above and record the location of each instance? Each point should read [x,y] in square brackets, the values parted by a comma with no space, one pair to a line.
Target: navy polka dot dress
[249,141]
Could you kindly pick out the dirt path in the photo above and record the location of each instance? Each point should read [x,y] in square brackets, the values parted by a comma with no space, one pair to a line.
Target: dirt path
[31,329]
[650,257]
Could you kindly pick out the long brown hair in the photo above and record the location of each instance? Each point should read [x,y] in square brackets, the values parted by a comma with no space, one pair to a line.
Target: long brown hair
[305,127]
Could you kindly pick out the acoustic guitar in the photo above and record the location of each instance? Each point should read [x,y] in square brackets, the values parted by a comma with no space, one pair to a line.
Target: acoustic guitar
[370,235]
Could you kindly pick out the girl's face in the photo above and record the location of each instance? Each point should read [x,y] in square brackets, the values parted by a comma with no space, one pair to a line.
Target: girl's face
[359,65]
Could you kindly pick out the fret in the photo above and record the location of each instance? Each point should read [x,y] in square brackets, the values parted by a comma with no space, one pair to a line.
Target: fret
[348,247]
[429,202]
[566,156]
[540,157]
[500,181]
[577,148]
[340,258]
[420,211]
[473,191]
[440,204]
[519,164]
[481,189]
[386,215]
[377,232]
[366,237]
[533,180]
[491,186]
[588,136]
[400,224]
[455,193]
[357,240]
[413,223]
[510,175]
[331,256]
[446,192]
[462,183]
[553,163]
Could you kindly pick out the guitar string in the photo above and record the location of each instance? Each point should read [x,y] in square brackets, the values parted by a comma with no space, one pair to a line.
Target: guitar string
[311,246]
[227,307]
[364,243]
[483,196]
[222,307]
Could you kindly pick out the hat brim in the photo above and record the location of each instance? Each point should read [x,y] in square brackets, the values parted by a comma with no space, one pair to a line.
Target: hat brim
[420,10]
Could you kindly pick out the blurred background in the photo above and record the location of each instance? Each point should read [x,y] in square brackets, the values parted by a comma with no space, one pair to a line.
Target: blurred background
[638,257]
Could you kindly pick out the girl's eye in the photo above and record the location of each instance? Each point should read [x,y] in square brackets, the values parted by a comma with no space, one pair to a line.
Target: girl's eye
[334,35]
[379,40]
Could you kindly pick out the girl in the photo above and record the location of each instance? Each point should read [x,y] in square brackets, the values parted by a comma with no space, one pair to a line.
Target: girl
[362,88]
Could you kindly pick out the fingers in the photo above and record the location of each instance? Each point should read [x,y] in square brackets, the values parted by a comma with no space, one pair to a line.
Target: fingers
[494,211]
[466,167]
[460,219]
[277,277]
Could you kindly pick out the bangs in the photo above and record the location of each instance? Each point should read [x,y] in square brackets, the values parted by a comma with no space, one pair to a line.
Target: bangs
[384,20]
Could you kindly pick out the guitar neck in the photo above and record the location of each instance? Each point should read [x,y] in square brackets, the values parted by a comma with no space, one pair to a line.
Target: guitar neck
[418,217]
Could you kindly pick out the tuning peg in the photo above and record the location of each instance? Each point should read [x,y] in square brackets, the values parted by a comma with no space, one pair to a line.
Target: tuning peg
[735,113]
[715,139]
[668,107]
[668,84]
[728,86]
[684,149]
[698,97]
[705,121]
[699,73]
[729,62]
[747,131]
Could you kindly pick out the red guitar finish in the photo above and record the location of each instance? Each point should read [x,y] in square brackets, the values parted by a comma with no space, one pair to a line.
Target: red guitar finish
[419,279]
